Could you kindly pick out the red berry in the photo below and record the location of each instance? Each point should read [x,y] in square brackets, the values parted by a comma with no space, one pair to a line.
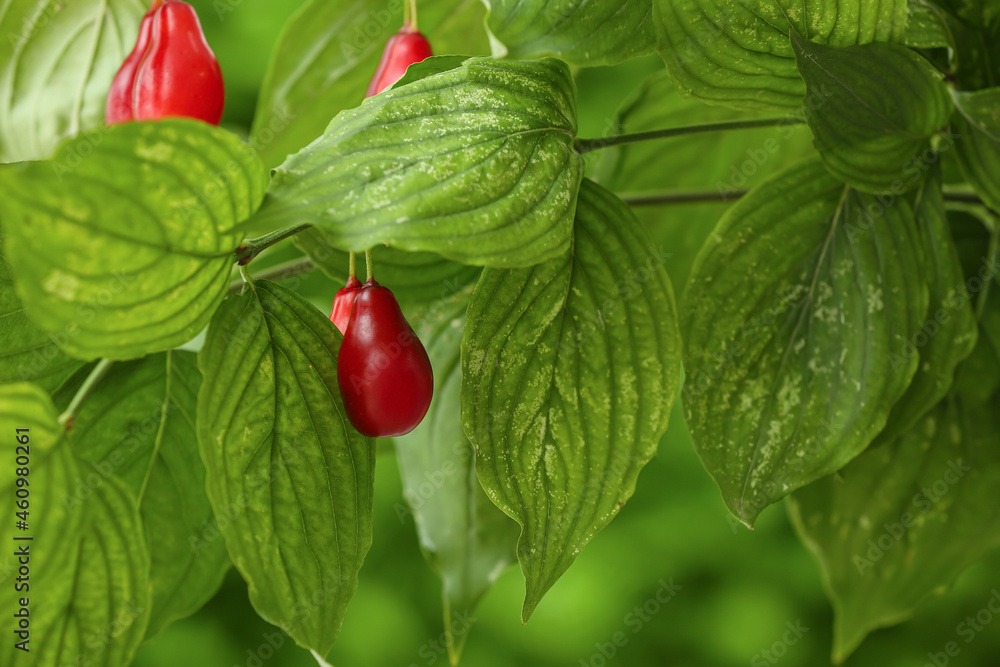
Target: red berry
[383,371]
[406,47]
[342,302]
[170,72]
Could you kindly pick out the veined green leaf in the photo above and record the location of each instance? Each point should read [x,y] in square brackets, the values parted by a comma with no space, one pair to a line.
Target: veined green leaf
[89,595]
[138,424]
[927,27]
[948,333]
[739,54]
[793,307]
[900,523]
[285,467]
[569,369]
[123,243]
[58,59]
[29,354]
[876,107]
[465,538]
[328,52]
[598,32]
[977,123]
[476,164]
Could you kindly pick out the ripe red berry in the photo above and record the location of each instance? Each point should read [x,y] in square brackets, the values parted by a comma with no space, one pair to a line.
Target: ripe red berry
[383,371]
[342,302]
[406,47]
[170,72]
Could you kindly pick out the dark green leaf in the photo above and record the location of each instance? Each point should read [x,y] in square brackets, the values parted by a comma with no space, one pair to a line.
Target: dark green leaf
[927,27]
[948,333]
[29,354]
[476,164]
[285,467]
[900,523]
[977,124]
[327,54]
[739,54]
[58,61]
[793,307]
[569,369]
[466,539]
[875,108]
[138,424]
[599,32]
[123,242]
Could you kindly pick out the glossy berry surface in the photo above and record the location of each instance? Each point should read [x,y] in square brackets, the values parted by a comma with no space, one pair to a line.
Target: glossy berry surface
[406,47]
[384,373]
[342,302]
[171,71]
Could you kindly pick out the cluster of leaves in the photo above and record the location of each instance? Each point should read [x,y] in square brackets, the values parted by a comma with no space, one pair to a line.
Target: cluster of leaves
[839,329]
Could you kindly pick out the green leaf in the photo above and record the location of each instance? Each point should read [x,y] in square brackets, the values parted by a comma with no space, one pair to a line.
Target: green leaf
[138,424]
[465,538]
[792,309]
[739,54]
[285,467]
[599,32]
[876,107]
[58,61]
[491,181]
[900,523]
[977,124]
[29,354]
[927,27]
[948,333]
[569,369]
[723,161]
[125,246]
[328,52]
[89,595]
[418,279]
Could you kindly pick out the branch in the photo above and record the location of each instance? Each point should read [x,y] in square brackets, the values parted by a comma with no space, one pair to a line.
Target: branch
[587,145]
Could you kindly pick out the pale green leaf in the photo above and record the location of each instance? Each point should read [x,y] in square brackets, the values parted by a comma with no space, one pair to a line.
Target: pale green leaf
[476,164]
[739,54]
[327,54]
[138,424]
[285,467]
[29,354]
[977,124]
[876,107]
[465,538]
[792,309]
[899,524]
[128,250]
[57,60]
[598,32]
[569,369]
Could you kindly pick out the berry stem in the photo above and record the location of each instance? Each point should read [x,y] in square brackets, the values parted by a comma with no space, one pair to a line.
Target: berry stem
[352,269]
[413,14]
[369,266]
[587,145]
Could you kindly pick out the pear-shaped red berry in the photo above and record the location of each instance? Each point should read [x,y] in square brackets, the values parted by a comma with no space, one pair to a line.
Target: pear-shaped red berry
[172,71]
[406,47]
[383,371]
[342,302]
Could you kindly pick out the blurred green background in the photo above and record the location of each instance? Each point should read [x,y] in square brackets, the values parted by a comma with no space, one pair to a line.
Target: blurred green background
[740,589]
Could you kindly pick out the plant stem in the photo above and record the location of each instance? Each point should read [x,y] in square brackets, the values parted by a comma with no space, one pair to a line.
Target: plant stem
[352,269]
[704,196]
[253,247]
[277,272]
[587,145]
[413,14]
[368,264]
[991,253]
[66,418]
